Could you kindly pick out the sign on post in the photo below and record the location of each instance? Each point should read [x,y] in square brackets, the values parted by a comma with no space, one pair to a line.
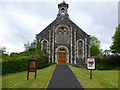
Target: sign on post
[32,67]
[91,65]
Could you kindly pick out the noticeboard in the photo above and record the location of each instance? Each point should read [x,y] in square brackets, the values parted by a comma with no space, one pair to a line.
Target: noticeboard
[91,64]
[33,64]
[32,67]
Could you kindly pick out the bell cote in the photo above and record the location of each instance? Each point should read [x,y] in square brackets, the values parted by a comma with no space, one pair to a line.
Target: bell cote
[63,9]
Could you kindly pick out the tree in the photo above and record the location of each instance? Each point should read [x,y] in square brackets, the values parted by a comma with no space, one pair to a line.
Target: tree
[30,48]
[27,46]
[94,46]
[14,54]
[3,54]
[3,49]
[115,47]
[33,49]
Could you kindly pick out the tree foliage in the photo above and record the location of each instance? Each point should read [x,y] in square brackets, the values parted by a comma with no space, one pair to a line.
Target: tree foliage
[3,49]
[115,47]
[17,62]
[94,46]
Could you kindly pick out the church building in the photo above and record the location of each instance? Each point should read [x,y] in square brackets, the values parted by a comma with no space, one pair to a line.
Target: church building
[64,40]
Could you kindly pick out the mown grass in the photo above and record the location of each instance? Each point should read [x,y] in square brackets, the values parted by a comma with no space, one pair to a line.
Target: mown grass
[19,80]
[101,78]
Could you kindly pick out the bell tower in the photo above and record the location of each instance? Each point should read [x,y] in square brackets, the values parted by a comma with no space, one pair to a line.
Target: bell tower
[63,9]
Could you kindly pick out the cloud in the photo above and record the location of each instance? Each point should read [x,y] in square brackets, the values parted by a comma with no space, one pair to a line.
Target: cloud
[18,26]
[96,18]
[20,21]
[119,12]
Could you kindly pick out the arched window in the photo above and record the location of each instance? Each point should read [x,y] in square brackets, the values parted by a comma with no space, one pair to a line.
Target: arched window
[44,47]
[65,37]
[80,48]
[59,37]
[62,36]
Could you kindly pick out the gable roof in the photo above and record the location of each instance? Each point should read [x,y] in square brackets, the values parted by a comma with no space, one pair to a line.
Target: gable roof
[78,28]
[63,19]
[68,21]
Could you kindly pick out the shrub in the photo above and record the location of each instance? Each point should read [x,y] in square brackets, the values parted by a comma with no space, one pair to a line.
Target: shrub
[43,62]
[12,66]
[107,63]
[21,64]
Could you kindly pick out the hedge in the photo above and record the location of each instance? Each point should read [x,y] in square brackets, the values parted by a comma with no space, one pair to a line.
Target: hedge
[20,64]
[107,63]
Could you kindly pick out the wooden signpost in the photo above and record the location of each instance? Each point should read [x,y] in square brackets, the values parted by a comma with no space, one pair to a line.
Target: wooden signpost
[91,65]
[32,67]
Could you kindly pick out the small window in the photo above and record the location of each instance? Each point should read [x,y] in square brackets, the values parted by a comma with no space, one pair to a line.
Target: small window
[62,9]
[62,49]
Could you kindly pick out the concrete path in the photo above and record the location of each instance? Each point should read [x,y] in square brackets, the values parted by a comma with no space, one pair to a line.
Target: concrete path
[63,77]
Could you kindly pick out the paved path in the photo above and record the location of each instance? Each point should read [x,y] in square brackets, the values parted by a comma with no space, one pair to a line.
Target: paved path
[63,77]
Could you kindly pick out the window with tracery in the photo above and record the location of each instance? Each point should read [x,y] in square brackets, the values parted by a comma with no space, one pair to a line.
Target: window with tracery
[62,36]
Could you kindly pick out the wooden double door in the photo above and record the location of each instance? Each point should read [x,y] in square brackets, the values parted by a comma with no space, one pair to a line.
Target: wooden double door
[62,57]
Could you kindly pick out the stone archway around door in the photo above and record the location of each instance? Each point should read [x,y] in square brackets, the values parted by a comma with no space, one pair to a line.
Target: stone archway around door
[62,55]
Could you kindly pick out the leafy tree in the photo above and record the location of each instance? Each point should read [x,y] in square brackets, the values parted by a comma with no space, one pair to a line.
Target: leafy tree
[33,49]
[3,54]
[3,49]
[14,54]
[94,46]
[115,47]
[30,48]
[27,46]
[39,51]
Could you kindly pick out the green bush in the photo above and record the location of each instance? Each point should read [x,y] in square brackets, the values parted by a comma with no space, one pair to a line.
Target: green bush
[43,62]
[12,66]
[21,64]
[107,63]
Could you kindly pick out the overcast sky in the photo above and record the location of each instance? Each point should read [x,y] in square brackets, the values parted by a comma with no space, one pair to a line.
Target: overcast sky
[20,21]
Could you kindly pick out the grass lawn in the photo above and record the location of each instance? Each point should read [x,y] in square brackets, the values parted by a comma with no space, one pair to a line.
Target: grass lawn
[19,80]
[101,78]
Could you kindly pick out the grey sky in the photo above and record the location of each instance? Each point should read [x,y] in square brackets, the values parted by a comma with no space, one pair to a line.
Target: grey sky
[119,12]
[20,21]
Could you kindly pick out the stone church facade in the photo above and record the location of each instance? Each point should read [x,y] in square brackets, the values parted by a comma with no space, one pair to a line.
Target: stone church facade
[64,40]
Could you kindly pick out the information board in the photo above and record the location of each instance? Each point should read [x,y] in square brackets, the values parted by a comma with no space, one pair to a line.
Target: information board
[91,64]
[32,67]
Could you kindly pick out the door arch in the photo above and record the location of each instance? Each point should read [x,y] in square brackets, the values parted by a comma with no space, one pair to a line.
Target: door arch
[62,55]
